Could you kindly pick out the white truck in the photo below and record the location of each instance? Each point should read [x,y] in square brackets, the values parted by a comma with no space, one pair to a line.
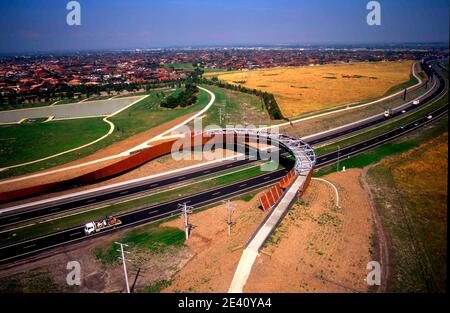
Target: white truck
[416,102]
[95,227]
[387,113]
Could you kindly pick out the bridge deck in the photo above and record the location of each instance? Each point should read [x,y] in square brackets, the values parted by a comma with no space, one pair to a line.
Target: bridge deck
[251,251]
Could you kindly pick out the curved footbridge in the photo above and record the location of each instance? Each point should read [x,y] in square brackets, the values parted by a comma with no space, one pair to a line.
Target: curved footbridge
[278,199]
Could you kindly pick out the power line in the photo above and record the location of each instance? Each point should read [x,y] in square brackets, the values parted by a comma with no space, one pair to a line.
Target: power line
[231,207]
[122,251]
[186,210]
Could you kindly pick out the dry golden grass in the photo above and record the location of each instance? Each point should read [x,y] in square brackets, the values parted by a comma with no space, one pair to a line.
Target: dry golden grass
[300,90]
[411,194]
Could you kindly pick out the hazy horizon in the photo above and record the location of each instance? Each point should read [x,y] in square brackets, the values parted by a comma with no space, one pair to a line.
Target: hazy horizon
[40,26]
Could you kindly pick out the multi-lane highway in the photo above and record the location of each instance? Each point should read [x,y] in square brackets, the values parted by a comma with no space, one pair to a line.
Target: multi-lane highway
[41,209]
[30,247]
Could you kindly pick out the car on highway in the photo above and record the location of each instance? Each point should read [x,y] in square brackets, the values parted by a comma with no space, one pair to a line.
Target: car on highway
[403,111]
[416,102]
[429,117]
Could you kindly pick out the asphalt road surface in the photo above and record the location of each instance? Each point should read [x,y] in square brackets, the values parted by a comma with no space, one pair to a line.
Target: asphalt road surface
[88,199]
[34,246]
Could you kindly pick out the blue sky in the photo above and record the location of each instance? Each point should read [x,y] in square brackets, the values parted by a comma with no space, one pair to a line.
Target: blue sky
[40,25]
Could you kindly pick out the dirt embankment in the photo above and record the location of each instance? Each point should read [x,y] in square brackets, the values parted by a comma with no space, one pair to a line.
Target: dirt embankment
[319,247]
[215,254]
[159,166]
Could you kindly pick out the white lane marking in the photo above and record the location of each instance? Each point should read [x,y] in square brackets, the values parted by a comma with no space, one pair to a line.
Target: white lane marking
[12,229]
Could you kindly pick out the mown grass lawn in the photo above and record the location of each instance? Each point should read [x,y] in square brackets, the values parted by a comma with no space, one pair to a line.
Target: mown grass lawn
[50,139]
[31,141]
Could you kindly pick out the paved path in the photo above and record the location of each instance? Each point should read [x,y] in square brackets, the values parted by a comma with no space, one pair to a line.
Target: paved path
[105,119]
[122,154]
[251,251]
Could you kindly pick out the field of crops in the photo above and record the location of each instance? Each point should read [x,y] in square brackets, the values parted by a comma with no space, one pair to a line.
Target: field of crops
[300,90]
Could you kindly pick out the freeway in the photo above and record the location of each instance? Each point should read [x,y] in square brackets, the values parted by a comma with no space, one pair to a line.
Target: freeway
[153,213]
[23,249]
[12,216]
[378,140]
[30,247]
[435,90]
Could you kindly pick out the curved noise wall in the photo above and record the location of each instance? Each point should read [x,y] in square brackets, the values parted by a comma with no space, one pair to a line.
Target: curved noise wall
[133,161]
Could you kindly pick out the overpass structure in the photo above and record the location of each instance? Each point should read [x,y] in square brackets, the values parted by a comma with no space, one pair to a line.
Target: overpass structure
[287,185]
[278,199]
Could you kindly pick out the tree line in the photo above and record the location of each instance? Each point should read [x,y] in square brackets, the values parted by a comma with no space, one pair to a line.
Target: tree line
[183,98]
[268,99]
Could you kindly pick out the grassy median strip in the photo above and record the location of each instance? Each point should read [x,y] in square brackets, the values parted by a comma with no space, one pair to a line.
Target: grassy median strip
[394,147]
[77,219]
[381,129]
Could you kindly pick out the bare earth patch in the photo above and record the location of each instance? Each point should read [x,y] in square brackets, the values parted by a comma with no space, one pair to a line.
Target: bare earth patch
[319,247]
[216,256]
[95,276]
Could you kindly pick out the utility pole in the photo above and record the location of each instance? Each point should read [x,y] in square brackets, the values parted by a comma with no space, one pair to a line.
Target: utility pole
[220,116]
[404,95]
[338,154]
[122,251]
[231,207]
[185,210]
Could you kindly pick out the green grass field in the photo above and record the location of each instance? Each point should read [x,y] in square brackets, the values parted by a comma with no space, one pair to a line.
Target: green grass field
[235,107]
[142,116]
[152,238]
[410,193]
[411,82]
[397,146]
[25,142]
